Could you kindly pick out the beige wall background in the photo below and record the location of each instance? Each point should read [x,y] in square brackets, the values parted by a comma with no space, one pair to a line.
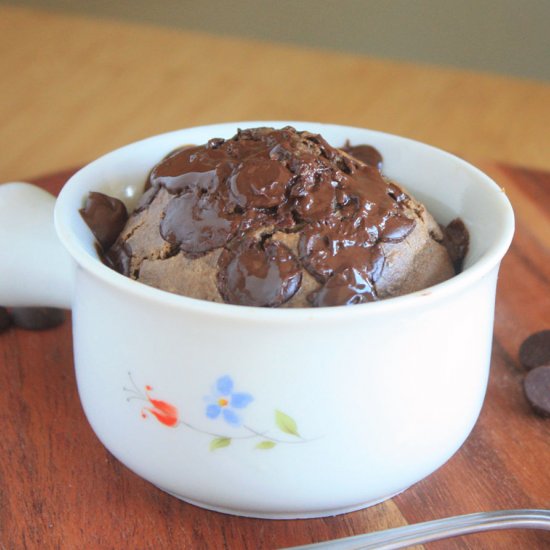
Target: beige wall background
[504,36]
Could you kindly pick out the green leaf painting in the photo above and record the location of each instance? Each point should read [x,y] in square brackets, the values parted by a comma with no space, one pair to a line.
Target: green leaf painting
[219,443]
[286,423]
[265,445]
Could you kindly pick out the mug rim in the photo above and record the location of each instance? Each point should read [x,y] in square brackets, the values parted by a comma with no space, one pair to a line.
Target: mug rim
[483,265]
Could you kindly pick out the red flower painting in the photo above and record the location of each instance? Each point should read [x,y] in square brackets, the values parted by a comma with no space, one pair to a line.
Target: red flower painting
[164,412]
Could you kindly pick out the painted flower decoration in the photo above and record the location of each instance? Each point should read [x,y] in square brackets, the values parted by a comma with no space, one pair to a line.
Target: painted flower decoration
[224,402]
[164,412]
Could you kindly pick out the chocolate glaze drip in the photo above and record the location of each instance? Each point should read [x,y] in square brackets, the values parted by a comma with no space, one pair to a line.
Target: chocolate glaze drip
[235,194]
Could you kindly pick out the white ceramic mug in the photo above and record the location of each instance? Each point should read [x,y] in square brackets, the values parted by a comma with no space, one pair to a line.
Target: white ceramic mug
[275,413]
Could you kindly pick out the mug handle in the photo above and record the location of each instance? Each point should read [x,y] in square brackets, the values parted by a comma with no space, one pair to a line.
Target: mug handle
[35,269]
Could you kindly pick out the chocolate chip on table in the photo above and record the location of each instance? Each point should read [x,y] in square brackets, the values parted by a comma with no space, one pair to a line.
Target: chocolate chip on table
[5,319]
[537,389]
[535,350]
[37,318]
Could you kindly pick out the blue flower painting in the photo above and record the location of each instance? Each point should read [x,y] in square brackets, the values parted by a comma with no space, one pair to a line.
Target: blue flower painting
[224,402]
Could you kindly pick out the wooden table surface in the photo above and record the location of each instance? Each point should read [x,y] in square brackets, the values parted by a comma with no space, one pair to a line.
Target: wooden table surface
[73,88]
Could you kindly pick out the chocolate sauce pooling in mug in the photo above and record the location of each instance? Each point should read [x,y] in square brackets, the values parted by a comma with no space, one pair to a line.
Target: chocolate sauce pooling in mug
[235,194]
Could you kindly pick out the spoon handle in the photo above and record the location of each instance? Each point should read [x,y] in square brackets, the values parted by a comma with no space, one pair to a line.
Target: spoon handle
[419,533]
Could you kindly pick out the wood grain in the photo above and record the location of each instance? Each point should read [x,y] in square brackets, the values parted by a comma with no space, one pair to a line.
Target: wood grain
[60,488]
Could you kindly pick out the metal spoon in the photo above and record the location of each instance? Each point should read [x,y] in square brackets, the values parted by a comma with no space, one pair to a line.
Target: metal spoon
[419,533]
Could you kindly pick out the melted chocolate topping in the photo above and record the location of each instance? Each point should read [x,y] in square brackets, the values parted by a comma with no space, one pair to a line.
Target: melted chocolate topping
[235,194]
[258,274]
[289,181]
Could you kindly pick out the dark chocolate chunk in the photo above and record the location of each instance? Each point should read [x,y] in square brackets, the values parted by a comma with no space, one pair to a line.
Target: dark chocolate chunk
[37,318]
[119,258]
[260,183]
[340,245]
[196,223]
[537,389]
[5,319]
[105,216]
[535,350]
[456,240]
[365,153]
[396,228]
[314,197]
[259,274]
[346,287]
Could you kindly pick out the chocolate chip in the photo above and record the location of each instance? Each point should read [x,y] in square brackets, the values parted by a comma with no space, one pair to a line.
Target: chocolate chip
[105,216]
[196,222]
[260,183]
[397,228]
[37,318]
[5,320]
[456,240]
[119,258]
[258,274]
[345,287]
[535,350]
[365,153]
[537,389]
